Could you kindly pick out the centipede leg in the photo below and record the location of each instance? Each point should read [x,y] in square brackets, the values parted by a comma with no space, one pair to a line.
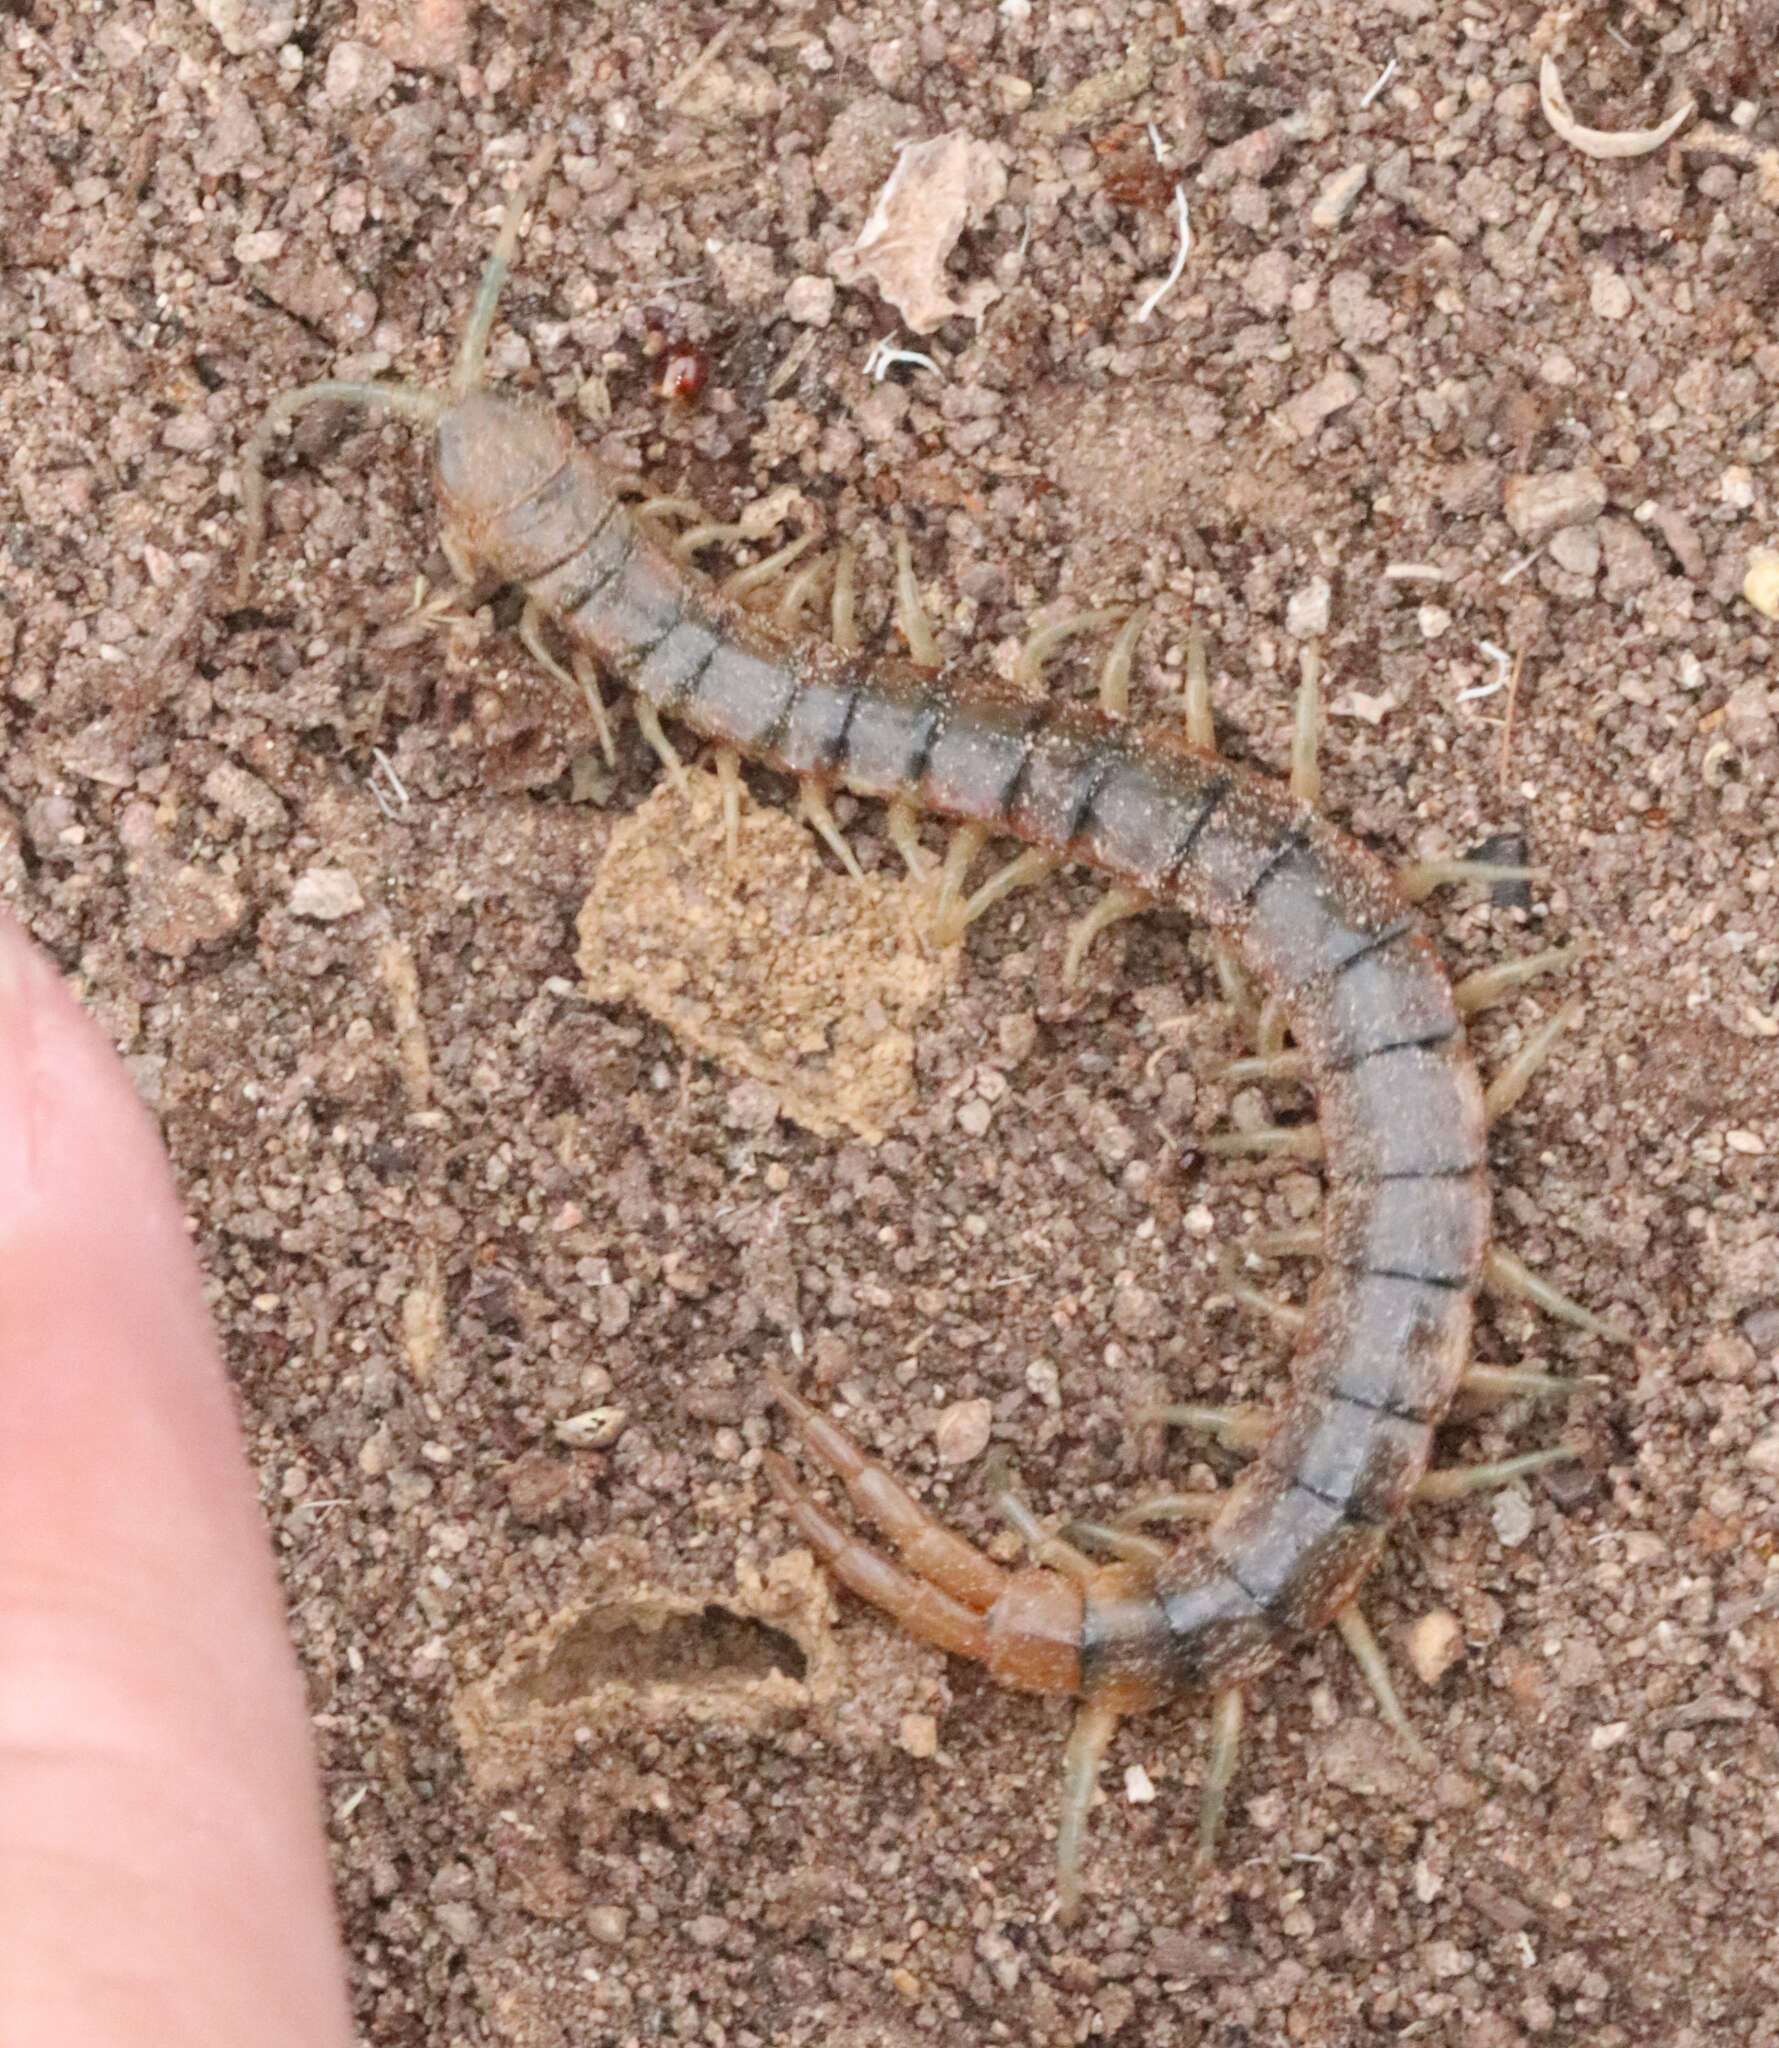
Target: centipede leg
[1033,865]
[1306,734]
[1356,1634]
[728,763]
[1115,675]
[1494,1383]
[967,841]
[1046,1548]
[1043,641]
[1503,1274]
[1089,1739]
[1270,1141]
[1124,1543]
[844,622]
[588,678]
[921,1608]
[903,823]
[1168,1507]
[812,800]
[957,1568]
[1477,991]
[1241,1426]
[1114,907]
[1290,1064]
[1453,1482]
[911,613]
[798,592]
[648,723]
[1417,879]
[1236,989]
[1511,1082]
[741,582]
[1226,1745]
[1201,728]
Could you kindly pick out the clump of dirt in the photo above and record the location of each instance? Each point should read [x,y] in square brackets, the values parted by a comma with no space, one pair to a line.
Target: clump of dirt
[763,959]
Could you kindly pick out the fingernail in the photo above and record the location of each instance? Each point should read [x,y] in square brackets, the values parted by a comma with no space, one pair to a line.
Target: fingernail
[19,971]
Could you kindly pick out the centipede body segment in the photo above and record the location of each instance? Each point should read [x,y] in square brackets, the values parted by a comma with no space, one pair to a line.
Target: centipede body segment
[1321,925]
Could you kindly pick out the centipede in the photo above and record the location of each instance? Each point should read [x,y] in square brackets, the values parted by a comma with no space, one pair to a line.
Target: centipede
[1321,946]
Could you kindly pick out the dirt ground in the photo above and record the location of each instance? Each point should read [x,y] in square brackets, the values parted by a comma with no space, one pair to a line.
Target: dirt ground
[500,1268]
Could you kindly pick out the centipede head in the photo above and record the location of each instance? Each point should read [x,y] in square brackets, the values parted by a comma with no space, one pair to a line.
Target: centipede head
[511,499]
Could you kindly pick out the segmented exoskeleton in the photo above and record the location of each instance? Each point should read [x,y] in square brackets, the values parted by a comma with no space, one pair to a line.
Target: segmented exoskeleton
[1325,929]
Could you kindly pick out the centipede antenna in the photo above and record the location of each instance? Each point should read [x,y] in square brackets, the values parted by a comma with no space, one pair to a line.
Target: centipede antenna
[407,399]
[471,355]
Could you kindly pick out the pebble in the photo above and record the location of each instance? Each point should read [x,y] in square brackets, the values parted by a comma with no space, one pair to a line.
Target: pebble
[1736,487]
[961,1432]
[262,245]
[1763,1455]
[608,1924]
[246,26]
[1609,295]
[1435,1643]
[919,1736]
[1335,200]
[1538,506]
[1434,621]
[1042,1379]
[1327,396]
[356,75]
[1306,615]
[1577,549]
[326,895]
[1761,585]
[1139,1787]
[1512,1516]
[810,300]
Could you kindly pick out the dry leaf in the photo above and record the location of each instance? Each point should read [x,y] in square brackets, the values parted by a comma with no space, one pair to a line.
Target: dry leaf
[936,190]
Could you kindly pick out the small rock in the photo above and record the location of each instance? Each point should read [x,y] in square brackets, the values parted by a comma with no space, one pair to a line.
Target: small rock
[1306,614]
[1435,1644]
[357,75]
[919,1735]
[1630,560]
[1327,396]
[1139,1787]
[608,1924]
[1538,506]
[460,1920]
[1512,1516]
[1748,721]
[707,1930]
[263,245]
[1761,585]
[1736,487]
[1681,536]
[239,794]
[1434,621]
[1577,549]
[326,895]
[961,1432]
[247,26]
[1609,295]
[1267,283]
[419,35]
[1252,158]
[1335,200]
[1763,1455]
[810,300]
[175,910]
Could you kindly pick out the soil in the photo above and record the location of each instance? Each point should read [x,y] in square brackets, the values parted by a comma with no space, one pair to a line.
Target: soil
[501,1268]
